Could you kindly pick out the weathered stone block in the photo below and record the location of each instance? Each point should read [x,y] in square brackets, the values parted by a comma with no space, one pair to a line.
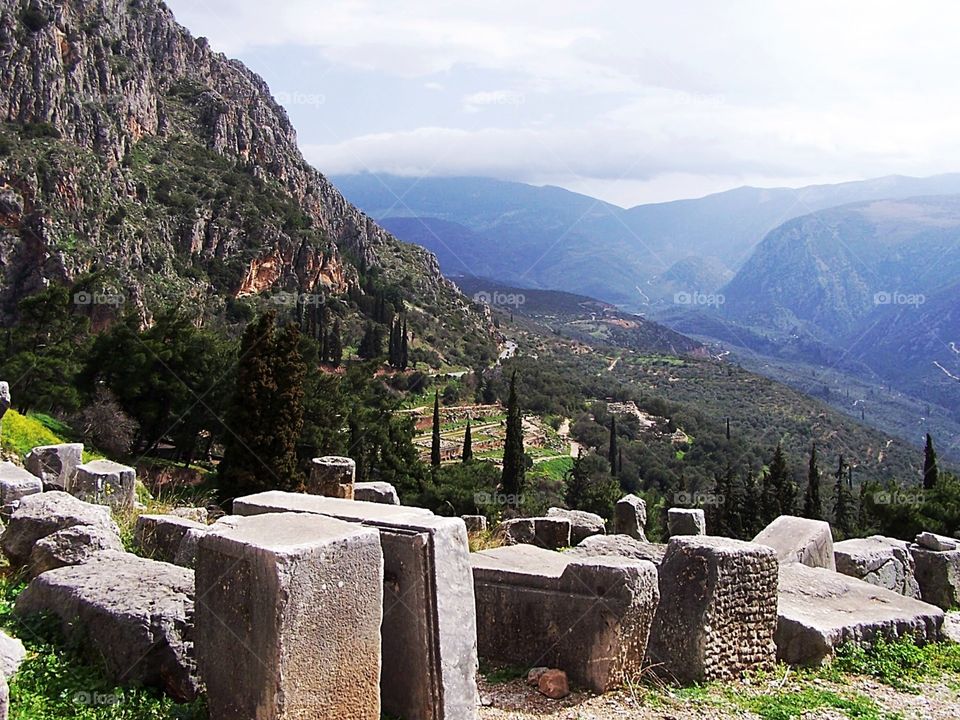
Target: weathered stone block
[619,546]
[932,541]
[820,609]
[549,533]
[105,482]
[332,476]
[376,492]
[15,483]
[74,545]
[45,513]
[582,524]
[881,561]
[475,523]
[938,575]
[799,540]
[288,618]
[132,614]
[685,521]
[587,616]
[630,517]
[55,465]
[718,609]
[160,536]
[429,621]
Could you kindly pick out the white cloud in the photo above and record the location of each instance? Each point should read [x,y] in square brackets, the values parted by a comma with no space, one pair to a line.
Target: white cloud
[651,96]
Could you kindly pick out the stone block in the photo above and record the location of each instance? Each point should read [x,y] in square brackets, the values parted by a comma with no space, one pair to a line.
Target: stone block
[549,533]
[630,517]
[938,575]
[589,617]
[55,465]
[16,483]
[288,618]
[619,546]
[45,513]
[932,541]
[74,545]
[799,540]
[105,482]
[582,524]
[881,561]
[376,492]
[685,521]
[160,536]
[429,618]
[820,609]
[718,609]
[332,476]
[475,523]
[132,614]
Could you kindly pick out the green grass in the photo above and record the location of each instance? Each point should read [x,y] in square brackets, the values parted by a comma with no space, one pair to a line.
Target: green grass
[21,433]
[555,469]
[901,664]
[499,674]
[54,682]
[790,704]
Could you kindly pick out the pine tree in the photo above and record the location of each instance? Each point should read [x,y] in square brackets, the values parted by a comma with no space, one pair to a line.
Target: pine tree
[514,460]
[812,505]
[265,415]
[335,345]
[371,345]
[843,511]
[930,471]
[783,485]
[613,454]
[467,444]
[435,443]
[751,520]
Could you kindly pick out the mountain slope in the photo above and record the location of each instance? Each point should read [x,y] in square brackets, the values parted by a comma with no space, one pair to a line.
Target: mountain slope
[551,238]
[134,154]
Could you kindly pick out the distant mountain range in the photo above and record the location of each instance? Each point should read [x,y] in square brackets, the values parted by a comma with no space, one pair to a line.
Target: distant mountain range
[548,237]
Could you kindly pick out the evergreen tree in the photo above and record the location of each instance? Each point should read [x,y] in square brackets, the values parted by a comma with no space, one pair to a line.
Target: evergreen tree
[613,454]
[404,348]
[435,443]
[812,505]
[265,415]
[371,344]
[751,519]
[783,485]
[590,487]
[514,460]
[335,345]
[393,349]
[930,471]
[467,444]
[769,505]
[843,510]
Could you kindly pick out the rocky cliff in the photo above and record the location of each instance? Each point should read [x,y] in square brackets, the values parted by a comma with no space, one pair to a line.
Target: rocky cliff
[132,153]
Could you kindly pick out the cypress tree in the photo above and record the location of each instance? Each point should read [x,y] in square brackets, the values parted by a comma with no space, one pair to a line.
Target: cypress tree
[812,505]
[843,511]
[930,471]
[467,444]
[404,348]
[435,444]
[784,486]
[514,460]
[335,345]
[612,454]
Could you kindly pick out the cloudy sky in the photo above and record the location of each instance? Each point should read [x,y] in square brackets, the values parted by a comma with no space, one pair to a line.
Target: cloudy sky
[629,100]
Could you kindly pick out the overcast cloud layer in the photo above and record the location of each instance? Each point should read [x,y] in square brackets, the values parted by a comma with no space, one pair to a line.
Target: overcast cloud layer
[632,101]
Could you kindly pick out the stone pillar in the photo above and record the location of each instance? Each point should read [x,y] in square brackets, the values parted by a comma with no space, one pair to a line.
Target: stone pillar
[630,517]
[288,616]
[429,613]
[332,476]
[681,521]
[718,609]
[55,465]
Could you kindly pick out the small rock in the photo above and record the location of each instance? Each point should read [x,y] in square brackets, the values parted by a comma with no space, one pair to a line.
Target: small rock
[533,677]
[553,684]
[12,654]
[197,514]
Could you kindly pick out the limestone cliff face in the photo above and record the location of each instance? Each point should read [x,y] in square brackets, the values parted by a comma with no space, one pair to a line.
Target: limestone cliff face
[131,150]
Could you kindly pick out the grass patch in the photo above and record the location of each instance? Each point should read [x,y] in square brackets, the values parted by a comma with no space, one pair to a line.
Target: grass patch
[54,682]
[901,663]
[500,674]
[790,704]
